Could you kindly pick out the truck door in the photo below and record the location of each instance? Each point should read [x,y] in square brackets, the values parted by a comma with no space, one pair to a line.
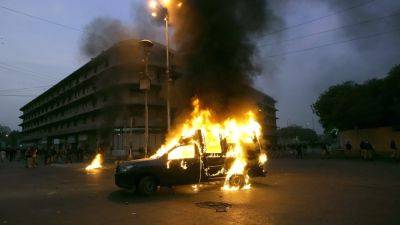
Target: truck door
[183,166]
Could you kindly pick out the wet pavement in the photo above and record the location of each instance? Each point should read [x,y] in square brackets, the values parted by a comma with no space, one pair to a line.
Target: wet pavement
[310,191]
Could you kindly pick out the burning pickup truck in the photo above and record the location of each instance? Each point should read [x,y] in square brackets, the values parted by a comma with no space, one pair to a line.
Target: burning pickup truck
[200,150]
[189,163]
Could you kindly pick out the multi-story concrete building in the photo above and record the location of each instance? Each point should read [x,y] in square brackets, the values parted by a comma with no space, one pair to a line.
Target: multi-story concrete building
[100,105]
[267,109]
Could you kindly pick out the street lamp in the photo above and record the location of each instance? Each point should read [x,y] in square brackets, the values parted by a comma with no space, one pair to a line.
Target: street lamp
[144,85]
[155,5]
[167,73]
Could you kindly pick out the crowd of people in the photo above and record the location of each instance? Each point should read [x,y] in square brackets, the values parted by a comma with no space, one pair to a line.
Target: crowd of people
[33,155]
[9,154]
[297,150]
[366,150]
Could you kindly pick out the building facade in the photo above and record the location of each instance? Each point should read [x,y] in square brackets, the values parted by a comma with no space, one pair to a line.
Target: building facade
[100,105]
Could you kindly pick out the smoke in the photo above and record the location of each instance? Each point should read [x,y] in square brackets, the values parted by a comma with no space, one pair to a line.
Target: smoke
[303,76]
[216,40]
[215,43]
[101,34]
[381,16]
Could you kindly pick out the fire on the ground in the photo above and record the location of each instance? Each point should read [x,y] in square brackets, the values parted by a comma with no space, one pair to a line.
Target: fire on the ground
[95,164]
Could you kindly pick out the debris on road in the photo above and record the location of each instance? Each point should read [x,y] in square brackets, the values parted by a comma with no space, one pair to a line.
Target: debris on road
[218,206]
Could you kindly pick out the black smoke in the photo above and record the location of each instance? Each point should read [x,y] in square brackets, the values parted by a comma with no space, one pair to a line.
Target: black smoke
[216,40]
[101,34]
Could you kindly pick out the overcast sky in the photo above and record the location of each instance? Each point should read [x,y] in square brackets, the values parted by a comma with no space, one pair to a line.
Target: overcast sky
[296,68]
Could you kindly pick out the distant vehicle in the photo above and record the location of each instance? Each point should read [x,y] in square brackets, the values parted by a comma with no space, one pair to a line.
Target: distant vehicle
[192,166]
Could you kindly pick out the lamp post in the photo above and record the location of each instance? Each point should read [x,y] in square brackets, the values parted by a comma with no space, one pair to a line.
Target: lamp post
[156,5]
[145,86]
[167,72]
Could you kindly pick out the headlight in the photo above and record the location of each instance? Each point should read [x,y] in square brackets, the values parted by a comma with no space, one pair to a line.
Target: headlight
[123,169]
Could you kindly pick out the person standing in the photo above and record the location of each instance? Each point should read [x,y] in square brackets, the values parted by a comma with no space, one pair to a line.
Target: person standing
[130,152]
[395,151]
[348,146]
[68,155]
[2,155]
[28,157]
[34,156]
[11,154]
[299,149]
[46,154]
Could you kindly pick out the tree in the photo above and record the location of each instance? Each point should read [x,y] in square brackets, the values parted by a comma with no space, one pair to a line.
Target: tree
[371,104]
[4,130]
[298,133]
[9,137]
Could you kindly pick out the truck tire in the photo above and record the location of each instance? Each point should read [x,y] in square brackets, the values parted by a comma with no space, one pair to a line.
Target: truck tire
[147,186]
[237,180]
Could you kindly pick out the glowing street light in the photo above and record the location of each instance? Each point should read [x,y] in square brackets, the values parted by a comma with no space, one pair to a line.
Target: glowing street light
[153,4]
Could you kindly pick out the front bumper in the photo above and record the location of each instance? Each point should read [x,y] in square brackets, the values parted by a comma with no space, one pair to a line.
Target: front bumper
[124,180]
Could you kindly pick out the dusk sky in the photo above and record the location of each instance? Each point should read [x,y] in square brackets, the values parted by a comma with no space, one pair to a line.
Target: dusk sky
[313,45]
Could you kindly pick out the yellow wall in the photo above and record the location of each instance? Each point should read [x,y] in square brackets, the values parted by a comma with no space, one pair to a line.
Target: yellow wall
[379,138]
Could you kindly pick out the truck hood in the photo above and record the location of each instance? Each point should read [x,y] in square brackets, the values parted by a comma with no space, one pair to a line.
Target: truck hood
[140,162]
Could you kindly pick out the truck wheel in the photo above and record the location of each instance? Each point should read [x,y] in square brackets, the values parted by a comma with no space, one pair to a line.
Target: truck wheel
[147,186]
[237,180]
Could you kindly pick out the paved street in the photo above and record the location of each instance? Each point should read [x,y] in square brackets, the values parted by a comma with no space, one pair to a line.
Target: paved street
[310,191]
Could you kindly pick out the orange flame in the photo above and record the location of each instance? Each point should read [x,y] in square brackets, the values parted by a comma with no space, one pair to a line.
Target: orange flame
[238,131]
[95,164]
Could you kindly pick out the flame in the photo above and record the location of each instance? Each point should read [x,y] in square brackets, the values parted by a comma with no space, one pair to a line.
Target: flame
[238,132]
[168,163]
[262,159]
[183,165]
[165,3]
[95,164]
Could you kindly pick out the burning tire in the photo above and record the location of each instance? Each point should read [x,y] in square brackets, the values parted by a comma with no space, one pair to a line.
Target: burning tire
[147,186]
[237,180]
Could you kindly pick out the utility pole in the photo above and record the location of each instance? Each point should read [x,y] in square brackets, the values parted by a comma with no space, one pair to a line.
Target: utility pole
[145,86]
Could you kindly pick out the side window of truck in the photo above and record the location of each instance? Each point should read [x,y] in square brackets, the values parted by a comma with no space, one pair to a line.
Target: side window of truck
[182,152]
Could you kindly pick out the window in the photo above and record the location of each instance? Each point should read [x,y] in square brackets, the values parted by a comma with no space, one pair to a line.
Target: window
[182,152]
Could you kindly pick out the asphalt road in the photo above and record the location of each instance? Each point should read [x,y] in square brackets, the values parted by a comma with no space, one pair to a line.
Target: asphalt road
[295,192]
